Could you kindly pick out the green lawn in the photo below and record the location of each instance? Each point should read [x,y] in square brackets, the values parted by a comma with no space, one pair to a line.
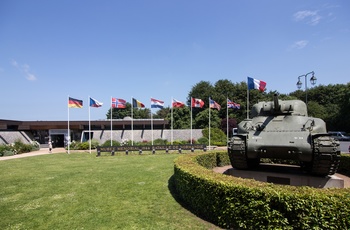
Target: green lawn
[82,191]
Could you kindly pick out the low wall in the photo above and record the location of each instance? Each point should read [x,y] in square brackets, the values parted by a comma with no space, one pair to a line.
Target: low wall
[145,135]
[8,137]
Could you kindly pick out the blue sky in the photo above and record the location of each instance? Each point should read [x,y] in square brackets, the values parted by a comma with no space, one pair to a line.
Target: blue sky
[160,49]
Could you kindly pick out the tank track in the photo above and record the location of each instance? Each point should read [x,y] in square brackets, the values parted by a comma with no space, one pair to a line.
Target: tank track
[326,156]
[237,153]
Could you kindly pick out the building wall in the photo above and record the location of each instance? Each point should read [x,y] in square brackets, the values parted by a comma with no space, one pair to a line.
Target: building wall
[145,135]
[8,137]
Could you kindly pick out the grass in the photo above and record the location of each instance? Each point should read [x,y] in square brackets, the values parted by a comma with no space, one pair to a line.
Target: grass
[82,191]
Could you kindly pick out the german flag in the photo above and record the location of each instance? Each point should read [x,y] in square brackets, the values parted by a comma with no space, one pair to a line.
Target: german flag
[75,103]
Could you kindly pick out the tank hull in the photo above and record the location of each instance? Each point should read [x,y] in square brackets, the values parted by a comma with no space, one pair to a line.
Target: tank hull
[284,132]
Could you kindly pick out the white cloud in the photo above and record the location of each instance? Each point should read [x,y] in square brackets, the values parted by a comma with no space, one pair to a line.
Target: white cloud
[14,63]
[310,17]
[300,44]
[24,69]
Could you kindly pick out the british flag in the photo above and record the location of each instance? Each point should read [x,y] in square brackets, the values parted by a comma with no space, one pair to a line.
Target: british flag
[232,105]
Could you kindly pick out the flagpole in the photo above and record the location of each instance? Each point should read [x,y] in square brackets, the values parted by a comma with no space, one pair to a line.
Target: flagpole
[209,123]
[151,122]
[89,127]
[111,122]
[68,137]
[191,120]
[172,120]
[227,132]
[132,122]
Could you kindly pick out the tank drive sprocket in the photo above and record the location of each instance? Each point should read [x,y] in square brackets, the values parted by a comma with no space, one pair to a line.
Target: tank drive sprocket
[326,156]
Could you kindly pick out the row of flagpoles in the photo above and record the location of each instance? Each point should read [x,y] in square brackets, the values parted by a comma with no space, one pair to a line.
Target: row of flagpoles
[119,103]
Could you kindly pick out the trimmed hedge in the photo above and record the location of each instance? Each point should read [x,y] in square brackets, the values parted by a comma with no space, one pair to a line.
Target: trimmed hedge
[236,203]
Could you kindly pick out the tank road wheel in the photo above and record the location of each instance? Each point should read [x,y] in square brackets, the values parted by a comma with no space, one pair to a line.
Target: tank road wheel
[237,153]
[326,156]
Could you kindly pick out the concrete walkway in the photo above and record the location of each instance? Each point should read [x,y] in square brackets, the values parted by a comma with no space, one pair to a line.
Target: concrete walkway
[41,151]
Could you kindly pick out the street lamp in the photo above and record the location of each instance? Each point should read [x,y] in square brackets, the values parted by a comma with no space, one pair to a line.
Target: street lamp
[313,80]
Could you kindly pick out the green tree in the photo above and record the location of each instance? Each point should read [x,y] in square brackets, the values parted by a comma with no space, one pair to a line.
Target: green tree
[138,113]
[201,121]
[181,118]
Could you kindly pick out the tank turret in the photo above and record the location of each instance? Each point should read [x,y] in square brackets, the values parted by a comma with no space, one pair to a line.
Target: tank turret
[281,129]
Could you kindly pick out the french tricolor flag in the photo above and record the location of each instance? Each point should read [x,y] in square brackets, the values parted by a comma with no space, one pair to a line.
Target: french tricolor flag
[157,103]
[256,84]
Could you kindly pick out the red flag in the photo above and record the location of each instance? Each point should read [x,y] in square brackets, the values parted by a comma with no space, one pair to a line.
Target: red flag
[197,103]
[118,103]
[178,104]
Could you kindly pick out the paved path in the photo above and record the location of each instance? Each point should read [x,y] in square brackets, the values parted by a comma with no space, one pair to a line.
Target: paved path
[42,151]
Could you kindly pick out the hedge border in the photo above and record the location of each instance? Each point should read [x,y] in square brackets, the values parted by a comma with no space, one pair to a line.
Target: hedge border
[236,203]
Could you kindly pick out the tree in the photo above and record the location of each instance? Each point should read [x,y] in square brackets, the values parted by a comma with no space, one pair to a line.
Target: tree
[201,121]
[138,113]
[181,118]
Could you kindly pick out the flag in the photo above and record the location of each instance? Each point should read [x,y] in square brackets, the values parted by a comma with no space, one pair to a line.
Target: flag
[75,103]
[157,103]
[232,105]
[118,103]
[95,103]
[197,103]
[256,84]
[214,105]
[137,104]
[178,104]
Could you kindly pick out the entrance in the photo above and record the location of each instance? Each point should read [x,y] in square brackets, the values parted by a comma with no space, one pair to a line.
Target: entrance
[57,140]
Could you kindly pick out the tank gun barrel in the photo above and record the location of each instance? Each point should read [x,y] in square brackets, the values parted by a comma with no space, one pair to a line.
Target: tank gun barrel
[276,103]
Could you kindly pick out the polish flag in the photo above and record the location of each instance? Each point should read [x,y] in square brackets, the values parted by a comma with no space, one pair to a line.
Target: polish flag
[178,104]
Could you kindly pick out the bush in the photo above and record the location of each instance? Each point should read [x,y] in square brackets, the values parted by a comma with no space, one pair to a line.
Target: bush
[4,149]
[18,147]
[217,136]
[160,142]
[237,203]
[203,141]
[114,143]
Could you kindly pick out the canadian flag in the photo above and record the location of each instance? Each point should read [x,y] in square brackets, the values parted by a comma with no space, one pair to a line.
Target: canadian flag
[197,103]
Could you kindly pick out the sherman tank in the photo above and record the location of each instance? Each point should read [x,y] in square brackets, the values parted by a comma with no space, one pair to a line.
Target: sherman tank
[283,130]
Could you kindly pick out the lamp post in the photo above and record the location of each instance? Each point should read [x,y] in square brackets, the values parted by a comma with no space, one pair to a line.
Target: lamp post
[313,80]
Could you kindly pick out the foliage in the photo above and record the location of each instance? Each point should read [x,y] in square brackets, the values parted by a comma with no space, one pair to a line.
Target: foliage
[217,136]
[181,118]
[203,140]
[138,113]
[232,123]
[160,142]
[236,203]
[330,103]
[75,145]
[114,143]
[6,150]
[202,119]
[18,147]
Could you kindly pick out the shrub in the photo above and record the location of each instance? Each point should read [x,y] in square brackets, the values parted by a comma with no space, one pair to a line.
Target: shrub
[203,140]
[160,142]
[21,147]
[237,203]
[4,149]
[217,136]
[114,143]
